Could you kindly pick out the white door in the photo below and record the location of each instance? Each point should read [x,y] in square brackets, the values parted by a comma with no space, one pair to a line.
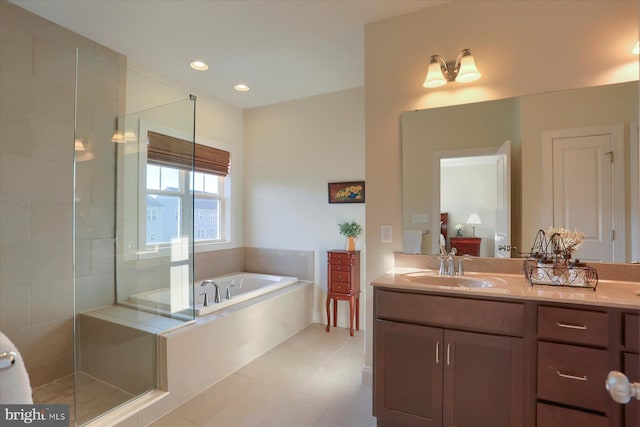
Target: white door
[585,189]
[502,248]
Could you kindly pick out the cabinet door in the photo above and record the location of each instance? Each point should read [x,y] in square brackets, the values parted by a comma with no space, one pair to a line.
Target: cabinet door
[483,380]
[632,409]
[408,374]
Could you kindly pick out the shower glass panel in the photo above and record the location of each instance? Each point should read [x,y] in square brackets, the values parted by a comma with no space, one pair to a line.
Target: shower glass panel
[133,250]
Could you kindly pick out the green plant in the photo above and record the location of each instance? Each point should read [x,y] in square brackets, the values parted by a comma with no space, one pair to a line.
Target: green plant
[350,229]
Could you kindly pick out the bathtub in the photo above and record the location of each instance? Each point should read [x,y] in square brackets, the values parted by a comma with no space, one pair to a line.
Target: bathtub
[243,286]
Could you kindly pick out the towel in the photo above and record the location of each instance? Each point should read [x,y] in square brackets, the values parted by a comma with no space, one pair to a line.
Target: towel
[412,242]
[15,387]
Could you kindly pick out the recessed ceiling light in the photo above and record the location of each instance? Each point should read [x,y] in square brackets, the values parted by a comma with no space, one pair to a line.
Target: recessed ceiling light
[241,87]
[199,65]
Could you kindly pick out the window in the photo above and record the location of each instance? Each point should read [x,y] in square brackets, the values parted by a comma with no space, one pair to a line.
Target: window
[171,183]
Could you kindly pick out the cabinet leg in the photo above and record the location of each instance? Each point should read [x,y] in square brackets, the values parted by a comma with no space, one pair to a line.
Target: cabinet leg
[351,302]
[358,312]
[335,312]
[328,314]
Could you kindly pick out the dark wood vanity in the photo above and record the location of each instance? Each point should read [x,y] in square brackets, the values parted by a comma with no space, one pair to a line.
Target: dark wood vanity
[443,359]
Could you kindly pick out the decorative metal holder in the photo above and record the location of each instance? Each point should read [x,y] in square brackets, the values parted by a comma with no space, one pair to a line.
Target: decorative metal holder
[550,263]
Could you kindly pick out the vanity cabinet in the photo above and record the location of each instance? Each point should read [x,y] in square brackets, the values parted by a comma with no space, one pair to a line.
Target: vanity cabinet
[445,361]
[573,362]
[631,364]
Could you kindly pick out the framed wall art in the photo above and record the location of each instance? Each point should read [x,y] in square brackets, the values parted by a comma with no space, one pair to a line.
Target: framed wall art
[346,192]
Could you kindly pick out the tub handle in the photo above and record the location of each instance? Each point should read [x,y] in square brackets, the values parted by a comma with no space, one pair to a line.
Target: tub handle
[228,296]
[206,299]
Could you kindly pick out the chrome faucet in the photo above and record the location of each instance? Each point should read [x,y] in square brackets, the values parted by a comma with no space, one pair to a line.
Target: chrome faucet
[451,267]
[228,296]
[460,265]
[217,298]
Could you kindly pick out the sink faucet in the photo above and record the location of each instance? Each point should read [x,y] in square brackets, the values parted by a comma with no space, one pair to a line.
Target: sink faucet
[460,266]
[217,298]
[450,268]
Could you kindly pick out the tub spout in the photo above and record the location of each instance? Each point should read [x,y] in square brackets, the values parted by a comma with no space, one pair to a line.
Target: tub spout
[217,298]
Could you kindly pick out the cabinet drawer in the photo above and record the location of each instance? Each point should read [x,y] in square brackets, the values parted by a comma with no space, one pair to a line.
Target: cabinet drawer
[340,267]
[340,276]
[631,332]
[573,326]
[573,375]
[556,416]
[504,318]
[339,287]
[339,256]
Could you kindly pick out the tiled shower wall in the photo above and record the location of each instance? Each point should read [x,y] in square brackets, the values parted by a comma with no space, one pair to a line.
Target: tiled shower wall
[37,79]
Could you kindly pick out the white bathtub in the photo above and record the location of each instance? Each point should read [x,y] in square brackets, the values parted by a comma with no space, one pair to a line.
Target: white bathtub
[243,286]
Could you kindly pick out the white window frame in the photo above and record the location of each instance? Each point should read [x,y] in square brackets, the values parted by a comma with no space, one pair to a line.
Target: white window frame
[227,238]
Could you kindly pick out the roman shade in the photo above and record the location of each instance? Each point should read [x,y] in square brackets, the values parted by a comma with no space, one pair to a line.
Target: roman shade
[166,150]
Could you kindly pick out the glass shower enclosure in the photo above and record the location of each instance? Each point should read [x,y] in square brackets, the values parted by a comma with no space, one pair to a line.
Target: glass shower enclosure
[133,233]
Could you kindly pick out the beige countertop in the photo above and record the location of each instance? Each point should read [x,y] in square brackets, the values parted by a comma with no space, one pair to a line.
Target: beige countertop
[511,286]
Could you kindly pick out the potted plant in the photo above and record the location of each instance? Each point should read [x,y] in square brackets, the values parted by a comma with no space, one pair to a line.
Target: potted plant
[351,230]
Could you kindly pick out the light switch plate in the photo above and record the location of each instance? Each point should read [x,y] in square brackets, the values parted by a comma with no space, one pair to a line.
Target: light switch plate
[420,218]
[386,233]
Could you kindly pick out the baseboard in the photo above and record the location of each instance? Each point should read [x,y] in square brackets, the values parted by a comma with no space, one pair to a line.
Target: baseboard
[367,375]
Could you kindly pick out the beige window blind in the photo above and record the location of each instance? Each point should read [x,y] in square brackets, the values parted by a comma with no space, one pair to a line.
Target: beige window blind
[166,150]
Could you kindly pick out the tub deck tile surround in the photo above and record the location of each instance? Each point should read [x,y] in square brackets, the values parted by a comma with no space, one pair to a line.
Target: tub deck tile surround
[311,379]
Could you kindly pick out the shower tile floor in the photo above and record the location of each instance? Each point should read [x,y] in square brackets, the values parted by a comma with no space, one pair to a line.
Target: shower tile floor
[313,379]
[94,396]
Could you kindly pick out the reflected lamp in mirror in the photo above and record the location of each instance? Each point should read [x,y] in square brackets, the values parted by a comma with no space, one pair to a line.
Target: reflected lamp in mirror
[474,220]
[462,70]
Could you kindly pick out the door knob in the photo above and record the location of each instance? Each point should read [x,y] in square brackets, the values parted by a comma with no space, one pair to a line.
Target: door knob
[620,389]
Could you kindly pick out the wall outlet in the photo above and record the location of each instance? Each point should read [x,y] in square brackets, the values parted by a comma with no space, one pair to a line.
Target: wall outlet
[420,218]
[385,233]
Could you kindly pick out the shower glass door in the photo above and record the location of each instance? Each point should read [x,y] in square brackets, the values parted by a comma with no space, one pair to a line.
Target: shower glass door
[133,251]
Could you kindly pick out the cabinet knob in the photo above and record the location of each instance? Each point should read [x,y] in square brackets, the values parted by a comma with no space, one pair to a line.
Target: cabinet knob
[620,389]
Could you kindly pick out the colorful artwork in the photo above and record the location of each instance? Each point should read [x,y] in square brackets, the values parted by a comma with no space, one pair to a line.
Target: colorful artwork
[346,192]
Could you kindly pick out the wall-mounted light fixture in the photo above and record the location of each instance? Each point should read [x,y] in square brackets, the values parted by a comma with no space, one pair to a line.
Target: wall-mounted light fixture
[462,70]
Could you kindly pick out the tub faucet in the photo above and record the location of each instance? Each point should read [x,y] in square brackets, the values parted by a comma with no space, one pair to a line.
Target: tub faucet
[217,298]
[228,296]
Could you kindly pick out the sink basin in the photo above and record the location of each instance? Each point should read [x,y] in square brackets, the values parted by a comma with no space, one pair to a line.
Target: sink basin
[432,278]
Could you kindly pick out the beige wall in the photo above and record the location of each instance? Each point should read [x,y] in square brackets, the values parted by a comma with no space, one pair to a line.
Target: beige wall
[521,47]
[292,150]
[37,79]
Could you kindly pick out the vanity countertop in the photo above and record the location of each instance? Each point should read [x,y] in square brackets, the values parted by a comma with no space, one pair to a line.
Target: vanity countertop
[512,286]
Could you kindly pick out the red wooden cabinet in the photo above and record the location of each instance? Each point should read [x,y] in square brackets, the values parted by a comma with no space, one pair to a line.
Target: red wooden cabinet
[466,245]
[343,283]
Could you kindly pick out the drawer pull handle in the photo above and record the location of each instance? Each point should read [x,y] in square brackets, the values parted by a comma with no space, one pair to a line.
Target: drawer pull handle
[437,352]
[572,377]
[571,326]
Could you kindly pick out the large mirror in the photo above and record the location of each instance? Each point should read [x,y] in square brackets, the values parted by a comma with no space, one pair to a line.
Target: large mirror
[562,172]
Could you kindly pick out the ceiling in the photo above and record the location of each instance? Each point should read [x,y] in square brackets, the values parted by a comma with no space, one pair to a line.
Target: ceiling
[283,49]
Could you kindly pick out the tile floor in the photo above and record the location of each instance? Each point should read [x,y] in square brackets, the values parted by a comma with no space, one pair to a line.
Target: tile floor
[313,379]
[94,397]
